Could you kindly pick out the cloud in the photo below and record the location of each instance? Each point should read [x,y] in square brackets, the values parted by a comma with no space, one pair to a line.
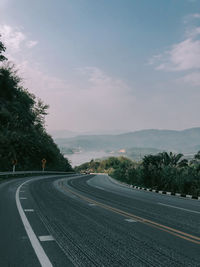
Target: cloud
[31,44]
[12,37]
[191,18]
[88,98]
[182,56]
[100,99]
[97,79]
[37,80]
[193,33]
[15,39]
[196,15]
[191,79]
[3,3]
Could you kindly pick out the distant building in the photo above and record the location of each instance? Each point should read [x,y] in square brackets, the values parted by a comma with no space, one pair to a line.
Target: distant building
[122,151]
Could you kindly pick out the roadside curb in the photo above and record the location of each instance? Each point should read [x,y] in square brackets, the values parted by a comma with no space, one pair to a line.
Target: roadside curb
[153,190]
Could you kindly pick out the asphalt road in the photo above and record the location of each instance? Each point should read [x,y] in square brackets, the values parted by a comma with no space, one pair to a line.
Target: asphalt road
[91,221]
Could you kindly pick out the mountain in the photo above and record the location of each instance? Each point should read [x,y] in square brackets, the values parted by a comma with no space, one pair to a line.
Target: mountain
[69,134]
[178,141]
[62,134]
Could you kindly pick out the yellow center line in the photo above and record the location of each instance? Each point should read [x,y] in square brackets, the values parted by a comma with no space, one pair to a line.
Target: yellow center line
[159,226]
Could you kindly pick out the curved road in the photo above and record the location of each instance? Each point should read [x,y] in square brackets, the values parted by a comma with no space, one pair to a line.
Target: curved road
[92,221]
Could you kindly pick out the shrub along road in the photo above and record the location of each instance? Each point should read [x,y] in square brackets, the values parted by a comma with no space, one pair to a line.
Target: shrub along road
[90,221]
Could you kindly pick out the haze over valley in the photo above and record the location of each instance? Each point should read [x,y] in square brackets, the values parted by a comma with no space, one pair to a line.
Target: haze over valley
[135,145]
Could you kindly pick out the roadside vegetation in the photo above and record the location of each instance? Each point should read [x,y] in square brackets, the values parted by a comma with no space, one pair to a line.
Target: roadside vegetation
[23,138]
[163,171]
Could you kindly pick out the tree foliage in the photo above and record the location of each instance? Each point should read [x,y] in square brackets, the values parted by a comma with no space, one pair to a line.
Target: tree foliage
[22,126]
[164,171]
[2,49]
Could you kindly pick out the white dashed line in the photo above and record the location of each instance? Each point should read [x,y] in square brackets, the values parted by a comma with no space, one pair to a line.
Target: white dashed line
[29,210]
[175,207]
[46,238]
[98,187]
[130,220]
[23,198]
[39,251]
[91,204]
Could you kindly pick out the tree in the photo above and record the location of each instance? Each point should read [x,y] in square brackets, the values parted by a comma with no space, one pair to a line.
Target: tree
[22,127]
[2,49]
[197,156]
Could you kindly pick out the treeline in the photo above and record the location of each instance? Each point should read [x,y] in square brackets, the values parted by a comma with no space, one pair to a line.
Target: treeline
[164,171]
[23,138]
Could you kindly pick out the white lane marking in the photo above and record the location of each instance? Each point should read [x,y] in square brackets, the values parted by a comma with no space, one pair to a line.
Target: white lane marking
[23,198]
[39,251]
[46,238]
[91,204]
[28,210]
[130,220]
[175,207]
[101,188]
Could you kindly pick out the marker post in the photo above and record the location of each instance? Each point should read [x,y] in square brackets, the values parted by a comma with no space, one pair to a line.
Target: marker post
[14,162]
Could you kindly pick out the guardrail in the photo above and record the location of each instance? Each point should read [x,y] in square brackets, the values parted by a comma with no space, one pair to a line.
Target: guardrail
[4,175]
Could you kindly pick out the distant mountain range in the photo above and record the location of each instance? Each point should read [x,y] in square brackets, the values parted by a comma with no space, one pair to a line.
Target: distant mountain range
[186,141]
[69,134]
[62,134]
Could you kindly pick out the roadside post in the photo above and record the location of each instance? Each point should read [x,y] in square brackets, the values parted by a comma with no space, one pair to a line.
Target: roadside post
[14,162]
[43,164]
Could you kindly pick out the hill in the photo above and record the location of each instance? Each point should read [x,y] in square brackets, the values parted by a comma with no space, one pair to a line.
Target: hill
[185,141]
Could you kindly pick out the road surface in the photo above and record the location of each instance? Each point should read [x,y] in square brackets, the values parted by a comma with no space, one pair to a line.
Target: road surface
[90,221]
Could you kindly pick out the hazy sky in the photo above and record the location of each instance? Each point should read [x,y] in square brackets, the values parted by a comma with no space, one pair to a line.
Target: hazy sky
[108,64]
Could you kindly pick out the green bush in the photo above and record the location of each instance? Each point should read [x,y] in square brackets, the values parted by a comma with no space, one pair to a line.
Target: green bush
[168,172]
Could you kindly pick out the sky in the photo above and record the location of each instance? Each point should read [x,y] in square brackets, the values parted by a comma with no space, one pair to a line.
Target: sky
[104,65]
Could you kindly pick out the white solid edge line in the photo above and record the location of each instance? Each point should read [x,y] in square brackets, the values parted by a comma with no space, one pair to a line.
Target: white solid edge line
[175,207]
[39,251]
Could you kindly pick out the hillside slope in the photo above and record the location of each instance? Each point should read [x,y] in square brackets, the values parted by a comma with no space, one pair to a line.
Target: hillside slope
[23,138]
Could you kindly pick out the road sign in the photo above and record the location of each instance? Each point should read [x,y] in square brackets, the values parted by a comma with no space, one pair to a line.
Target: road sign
[14,162]
[43,163]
